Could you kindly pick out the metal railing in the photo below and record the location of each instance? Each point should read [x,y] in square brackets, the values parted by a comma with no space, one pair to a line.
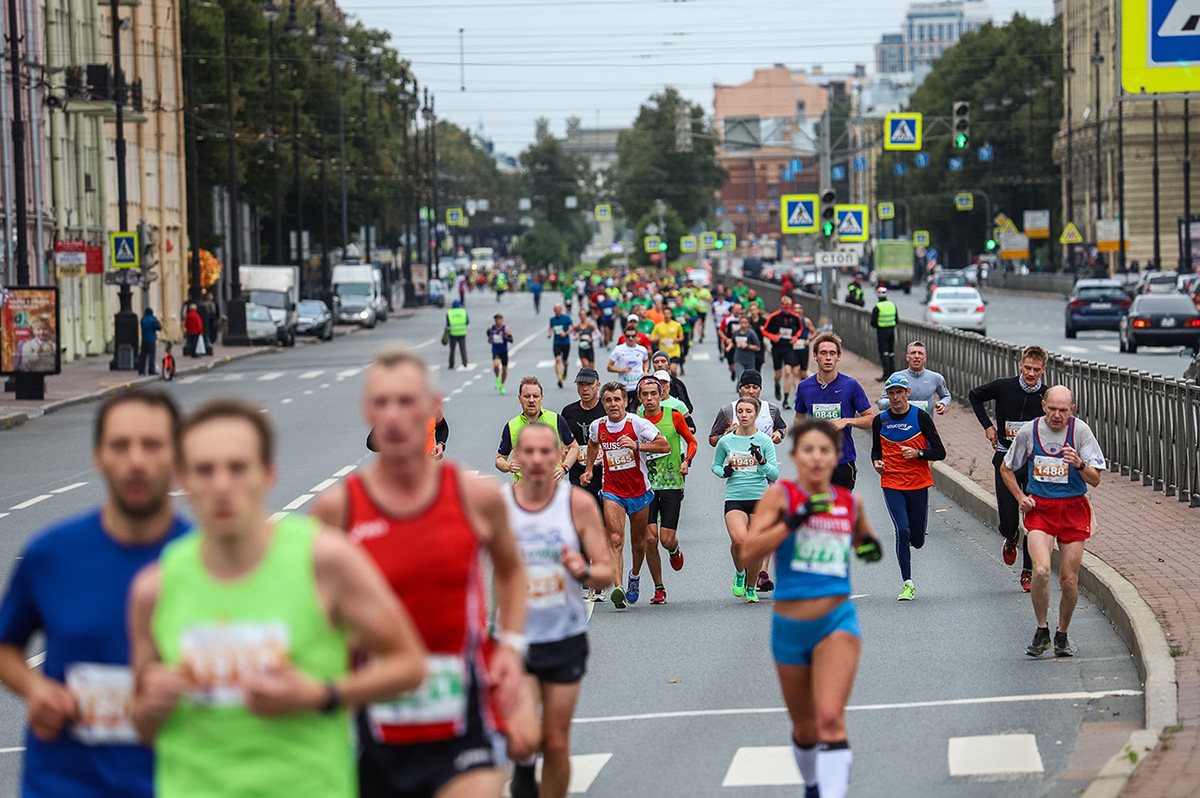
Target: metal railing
[1148,425]
[1040,282]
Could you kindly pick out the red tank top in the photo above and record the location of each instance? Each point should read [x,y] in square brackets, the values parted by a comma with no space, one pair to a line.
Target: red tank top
[432,562]
[624,469]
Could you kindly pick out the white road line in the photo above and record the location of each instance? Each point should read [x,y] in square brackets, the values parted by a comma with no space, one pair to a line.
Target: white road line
[308,375]
[16,750]
[457,391]
[287,401]
[66,488]
[270,376]
[308,393]
[517,347]
[344,373]
[273,517]
[762,766]
[584,770]
[1075,350]
[344,470]
[545,364]
[424,343]
[298,502]
[993,755]
[36,660]
[5,515]
[232,378]
[435,367]
[322,485]
[1107,348]
[30,502]
[324,385]
[190,380]
[700,356]
[1004,699]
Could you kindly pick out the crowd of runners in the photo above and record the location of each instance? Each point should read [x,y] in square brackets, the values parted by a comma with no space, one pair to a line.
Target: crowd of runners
[358,650]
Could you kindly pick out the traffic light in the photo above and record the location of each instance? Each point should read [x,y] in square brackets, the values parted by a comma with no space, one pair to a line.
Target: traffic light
[962,124]
[990,244]
[828,215]
[662,246]
[720,243]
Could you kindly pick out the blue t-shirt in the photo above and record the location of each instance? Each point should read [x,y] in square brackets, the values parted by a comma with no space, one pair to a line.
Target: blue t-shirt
[500,338]
[842,398]
[561,324]
[607,308]
[72,583]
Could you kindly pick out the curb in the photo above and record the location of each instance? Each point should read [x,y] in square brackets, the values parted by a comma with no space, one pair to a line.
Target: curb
[13,420]
[1129,614]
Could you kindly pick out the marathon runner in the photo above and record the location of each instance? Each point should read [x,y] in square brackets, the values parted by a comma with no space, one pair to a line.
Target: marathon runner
[1018,400]
[758,318]
[500,337]
[560,331]
[587,334]
[783,328]
[625,440]
[660,361]
[838,399]
[241,632]
[904,441]
[579,417]
[746,460]
[70,585]
[800,341]
[703,299]
[1061,458]
[670,402]
[667,474]
[927,389]
[744,347]
[426,525]
[559,531]
[770,421]
[667,336]
[629,361]
[530,396]
[811,525]
[606,309]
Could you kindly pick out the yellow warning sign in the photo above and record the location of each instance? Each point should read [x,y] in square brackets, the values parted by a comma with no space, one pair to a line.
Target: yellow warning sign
[1007,227]
[1070,235]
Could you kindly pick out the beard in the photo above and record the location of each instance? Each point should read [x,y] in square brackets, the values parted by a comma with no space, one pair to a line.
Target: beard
[143,509]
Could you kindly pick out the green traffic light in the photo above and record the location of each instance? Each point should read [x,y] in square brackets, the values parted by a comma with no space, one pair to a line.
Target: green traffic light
[960,141]
[827,229]
[990,244]
[662,246]
[720,243]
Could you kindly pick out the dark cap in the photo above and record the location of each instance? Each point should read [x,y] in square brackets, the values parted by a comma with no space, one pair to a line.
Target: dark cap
[750,377]
[659,352]
[587,375]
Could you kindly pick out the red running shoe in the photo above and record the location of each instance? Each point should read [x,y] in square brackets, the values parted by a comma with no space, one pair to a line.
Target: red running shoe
[1010,552]
[660,596]
[765,585]
[1026,579]
[677,558]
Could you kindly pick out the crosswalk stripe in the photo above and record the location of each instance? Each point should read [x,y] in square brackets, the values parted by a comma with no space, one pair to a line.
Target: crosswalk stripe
[993,755]
[545,364]
[232,377]
[273,517]
[762,766]
[700,356]
[308,375]
[298,502]
[344,373]
[5,515]
[270,375]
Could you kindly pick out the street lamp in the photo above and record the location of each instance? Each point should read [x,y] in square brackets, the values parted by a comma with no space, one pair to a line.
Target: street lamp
[294,30]
[235,308]
[270,12]
[1069,216]
[427,113]
[405,100]
[1097,60]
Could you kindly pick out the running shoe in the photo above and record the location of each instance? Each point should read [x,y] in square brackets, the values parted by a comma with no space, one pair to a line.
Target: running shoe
[524,782]
[1010,552]
[787,404]
[502,390]
[618,597]
[739,584]
[1061,647]
[633,588]
[751,595]
[812,792]
[560,383]
[676,558]
[598,595]
[1026,580]
[660,596]
[765,585]
[908,593]
[1041,642]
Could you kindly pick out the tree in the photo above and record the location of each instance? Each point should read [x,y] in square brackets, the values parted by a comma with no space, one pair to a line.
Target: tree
[551,175]
[543,246]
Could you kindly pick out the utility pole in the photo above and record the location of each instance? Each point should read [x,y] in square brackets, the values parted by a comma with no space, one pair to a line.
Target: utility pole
[18,138]
[235,307]
[1097,60]
[339,62]
[125,324]
[299,189]
[1121,181]
[1069,216]
[1154,178]
[193,155]
[1187,196]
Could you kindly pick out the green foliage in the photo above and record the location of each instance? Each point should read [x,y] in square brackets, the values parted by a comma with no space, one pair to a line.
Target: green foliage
[675,230]
[543,246]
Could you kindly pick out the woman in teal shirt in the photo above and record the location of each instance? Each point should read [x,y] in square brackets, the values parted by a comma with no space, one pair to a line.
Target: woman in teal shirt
[745,459]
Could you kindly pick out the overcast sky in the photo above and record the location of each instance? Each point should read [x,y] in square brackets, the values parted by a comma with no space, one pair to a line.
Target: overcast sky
[600,59]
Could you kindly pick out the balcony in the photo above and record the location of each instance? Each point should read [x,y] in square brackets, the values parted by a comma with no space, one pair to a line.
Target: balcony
[90,90]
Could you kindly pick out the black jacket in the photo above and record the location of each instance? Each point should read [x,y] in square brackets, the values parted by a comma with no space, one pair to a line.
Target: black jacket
[1013,403]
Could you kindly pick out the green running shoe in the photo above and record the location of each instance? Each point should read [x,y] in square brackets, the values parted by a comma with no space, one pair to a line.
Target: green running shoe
[739,584]
[502,391]
[618,597]
[1040,644]
[751,595]
[497,383]
[908,593]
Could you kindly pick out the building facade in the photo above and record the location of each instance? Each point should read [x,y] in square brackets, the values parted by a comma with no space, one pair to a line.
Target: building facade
[929,30]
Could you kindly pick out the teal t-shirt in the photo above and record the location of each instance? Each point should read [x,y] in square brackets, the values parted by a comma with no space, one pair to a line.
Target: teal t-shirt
[749,480]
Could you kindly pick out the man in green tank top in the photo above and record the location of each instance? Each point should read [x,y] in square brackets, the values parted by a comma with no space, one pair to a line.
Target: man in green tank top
[240,633]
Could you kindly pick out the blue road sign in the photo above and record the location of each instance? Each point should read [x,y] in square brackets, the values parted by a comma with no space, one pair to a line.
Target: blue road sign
[741,209]
[860,164]
[956,164]
[931,254]
[1160,46]
[985,152]
[799,213]
[795,166]
[762,206]
[902,132]
[922,159]
[851,222]
[786,176]
[899,170]
[838,173]
[720,211]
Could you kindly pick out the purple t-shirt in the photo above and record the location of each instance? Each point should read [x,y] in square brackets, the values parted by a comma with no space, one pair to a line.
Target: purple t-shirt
[842,398]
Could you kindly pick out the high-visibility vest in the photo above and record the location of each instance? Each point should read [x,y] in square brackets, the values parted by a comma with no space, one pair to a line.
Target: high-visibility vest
[547,417]
[457,319]
[887,313]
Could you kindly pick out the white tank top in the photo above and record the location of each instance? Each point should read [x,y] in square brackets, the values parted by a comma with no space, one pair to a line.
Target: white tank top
[764,421]
[553,598]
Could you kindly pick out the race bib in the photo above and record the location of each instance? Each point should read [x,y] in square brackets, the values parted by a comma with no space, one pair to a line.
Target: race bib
[1011,428]
[105,695]
[742,461]
[498,338]
[827,412]
[219,658]
[441,698]
[560,330]
[1050,469]
[823,553]
[630,378]
[666,343]
[785,333]
[607,312]
[741,340]
[620,459]
[544,586]
[923,405]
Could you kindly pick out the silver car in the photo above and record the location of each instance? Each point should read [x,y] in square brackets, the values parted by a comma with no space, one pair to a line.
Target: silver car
[260,328]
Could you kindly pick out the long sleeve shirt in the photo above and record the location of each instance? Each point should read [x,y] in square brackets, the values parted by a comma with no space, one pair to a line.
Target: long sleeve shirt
[750,479]
[1014,406]
[927,389]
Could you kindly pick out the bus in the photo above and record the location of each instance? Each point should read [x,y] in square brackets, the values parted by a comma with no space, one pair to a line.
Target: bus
[483,257]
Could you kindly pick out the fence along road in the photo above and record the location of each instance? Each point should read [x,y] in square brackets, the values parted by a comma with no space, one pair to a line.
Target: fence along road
[1148,425]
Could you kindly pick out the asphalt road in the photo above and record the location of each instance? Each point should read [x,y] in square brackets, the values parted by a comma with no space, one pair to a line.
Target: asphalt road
[682,699]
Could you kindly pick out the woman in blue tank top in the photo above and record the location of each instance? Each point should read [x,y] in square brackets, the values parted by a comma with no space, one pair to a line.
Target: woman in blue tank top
[812,526]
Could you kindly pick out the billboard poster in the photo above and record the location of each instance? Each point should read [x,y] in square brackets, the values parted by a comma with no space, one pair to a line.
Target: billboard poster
[29,330]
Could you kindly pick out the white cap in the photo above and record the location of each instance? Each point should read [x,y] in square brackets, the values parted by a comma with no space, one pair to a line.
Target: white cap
[631,317]
[662,375]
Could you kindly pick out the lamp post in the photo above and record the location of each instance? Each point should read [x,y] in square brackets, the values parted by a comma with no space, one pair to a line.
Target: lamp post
[294,30]
[125,324]
[1069,215]
[235,308]
[270,12]
[18,137]
[427,115]
[1097,60]
[193,154]
[339,63]
[405,100]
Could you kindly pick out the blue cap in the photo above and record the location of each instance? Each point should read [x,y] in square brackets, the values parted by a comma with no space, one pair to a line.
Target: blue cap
[896,381]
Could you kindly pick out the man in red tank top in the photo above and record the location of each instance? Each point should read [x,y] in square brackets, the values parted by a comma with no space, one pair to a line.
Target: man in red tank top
[426,524]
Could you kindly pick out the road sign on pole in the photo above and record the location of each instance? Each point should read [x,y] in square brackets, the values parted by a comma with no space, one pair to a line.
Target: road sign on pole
[454,217]
[603,213]
[799,213]
[1014,245]
[1160,46]
[922,159]
[1037,224]
[851,222]
[650,243]
[902,132]
[123,251]
[921,238]
[1070,235]
[956,164]
[708,240]
[887,210]
[687,244]
[964,201]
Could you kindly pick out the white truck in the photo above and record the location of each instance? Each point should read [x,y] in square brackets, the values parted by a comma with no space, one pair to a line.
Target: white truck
[358,295]
[277,288]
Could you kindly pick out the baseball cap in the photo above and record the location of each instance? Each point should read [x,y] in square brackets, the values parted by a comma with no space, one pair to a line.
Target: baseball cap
[631,318]
[881,290]
[750,377]
[587,374]
[896,381]
[662,375]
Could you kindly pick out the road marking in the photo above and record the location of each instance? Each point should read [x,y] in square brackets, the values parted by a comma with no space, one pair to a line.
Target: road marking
[273,517]
[762,766]
[701,356]
[287,401]
[584,770]
[5,515]
[298,502]
[545,364]
[1075,350]
[344,470]
[460,390]
[322,485]
[190,380]
[16,750]
[344,373]
[308,393]
[993,754]
[424,343]
[36,660]
[435,367]
[66,488]
[30,502]
[324,385]
[308,375]
[232,378]
[1003,699]
[523,343]
[270,376]
[1107,348]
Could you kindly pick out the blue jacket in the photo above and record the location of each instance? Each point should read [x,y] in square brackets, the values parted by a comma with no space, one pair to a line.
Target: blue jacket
[150,327]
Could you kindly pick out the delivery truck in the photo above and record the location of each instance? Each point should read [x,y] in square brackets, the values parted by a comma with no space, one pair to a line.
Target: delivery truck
[277,288]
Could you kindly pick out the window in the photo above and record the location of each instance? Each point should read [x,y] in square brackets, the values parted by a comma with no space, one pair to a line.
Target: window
[800,108]
[152,197]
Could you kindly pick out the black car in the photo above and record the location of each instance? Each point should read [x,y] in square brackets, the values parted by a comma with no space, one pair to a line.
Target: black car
[1095,305]
[1160,320]
[314,319]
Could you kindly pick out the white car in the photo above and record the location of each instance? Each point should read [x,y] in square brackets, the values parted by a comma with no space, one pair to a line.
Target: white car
[959,307]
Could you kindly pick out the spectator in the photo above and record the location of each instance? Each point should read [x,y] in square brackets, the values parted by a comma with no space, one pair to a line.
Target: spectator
[147,356]
[193,326]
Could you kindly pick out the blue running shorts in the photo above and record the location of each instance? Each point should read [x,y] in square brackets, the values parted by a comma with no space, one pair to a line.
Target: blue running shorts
[631,505]
[792,641]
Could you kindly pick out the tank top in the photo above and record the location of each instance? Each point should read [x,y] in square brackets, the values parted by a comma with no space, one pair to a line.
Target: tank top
[1049,475]
[814,561]
[432,561]
[554,603]
[899,473]
[764,422]
[625,472]
[219,632]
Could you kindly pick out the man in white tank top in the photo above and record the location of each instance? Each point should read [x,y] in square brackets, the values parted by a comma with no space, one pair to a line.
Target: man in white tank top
[558,530]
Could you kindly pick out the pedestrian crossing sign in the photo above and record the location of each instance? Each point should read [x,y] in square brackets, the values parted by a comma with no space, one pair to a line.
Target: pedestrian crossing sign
[1008,227]
[123,250]
[650,243]
[921,238]
[603,213]
[687,244]
[851,222]
[964,201]
[1070,235]
[902,132]
[887,210]
[1160,46]
[708,240]
[799,213]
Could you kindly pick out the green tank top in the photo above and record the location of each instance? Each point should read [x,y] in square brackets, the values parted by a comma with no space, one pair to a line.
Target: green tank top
[664,468]
[211,744]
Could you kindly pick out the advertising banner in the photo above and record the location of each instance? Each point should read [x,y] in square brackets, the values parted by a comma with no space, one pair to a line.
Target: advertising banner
[29,330]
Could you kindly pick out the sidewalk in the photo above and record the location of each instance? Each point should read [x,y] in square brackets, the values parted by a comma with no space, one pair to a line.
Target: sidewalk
[1143,535]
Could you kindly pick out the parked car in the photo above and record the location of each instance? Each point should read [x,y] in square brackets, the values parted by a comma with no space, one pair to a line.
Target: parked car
[959,307]
[315,319]
[1095,305]
[946,279]
[260,327]
[1185,283]
[1156,283]
[437,293]
[1196,294]
[1160,320]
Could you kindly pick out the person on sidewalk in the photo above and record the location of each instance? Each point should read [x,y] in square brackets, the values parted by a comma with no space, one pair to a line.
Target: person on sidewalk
[1061,458]
[147,354]
[854,292]
[838,399]
[904,441]
[193,327]
[456,331]
[883,318]
[211,316]
[927,389]
[1018,400]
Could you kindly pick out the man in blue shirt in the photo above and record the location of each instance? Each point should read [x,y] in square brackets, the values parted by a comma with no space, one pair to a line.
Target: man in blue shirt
[535,287]
[146,357]
[560,330]
[71,584]
[608,317]
[838,399]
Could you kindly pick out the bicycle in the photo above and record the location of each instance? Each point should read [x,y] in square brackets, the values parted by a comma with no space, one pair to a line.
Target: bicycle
[168,364]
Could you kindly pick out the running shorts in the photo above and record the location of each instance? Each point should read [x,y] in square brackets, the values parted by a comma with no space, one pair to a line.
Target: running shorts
[587,353]
[664,510]
[784,355]
[606,322]
[1068,519]
[631,505]
[501,356]
[845,475]
[802,358]
[792,641]
[745,505]
[563,351]
[559,662]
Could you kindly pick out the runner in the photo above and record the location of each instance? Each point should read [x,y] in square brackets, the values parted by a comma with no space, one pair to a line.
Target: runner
[721,308]
[579,417]
[667,474]
[660,361]
[70,585]
[427,525]
[629,361]
[568,292]
[744,346]
[1063,458]
[642,339]
[587,334]
[500,337]
[838,399]
[625,440]
[560,331]
[758,318]
[1018,400]
[800,342]
[670,402]
[928,389]
[667,336]
[904,441]
[815,635]
[241,632]
[769,422]
[703,299]
[558,530]
[606,308]
[782,329]
[746,460]
[529,394]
